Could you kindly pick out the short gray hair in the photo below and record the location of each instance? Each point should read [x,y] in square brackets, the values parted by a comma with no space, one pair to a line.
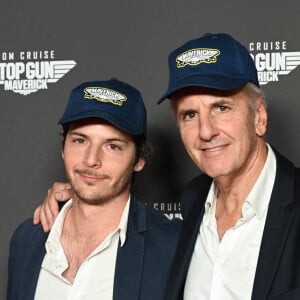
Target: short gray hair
[254,93]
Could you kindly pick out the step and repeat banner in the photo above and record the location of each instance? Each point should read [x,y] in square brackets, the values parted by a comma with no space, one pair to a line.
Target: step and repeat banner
[47,48]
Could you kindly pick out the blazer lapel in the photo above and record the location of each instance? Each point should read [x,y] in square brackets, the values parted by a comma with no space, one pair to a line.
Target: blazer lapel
[129,264]
[192,220]
[279,219]
[32,266]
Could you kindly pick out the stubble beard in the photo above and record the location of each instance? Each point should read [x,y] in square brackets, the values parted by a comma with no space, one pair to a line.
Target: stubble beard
[101,197]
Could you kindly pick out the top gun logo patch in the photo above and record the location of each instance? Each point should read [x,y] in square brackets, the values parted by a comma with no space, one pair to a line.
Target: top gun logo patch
[197,56]
[104,95]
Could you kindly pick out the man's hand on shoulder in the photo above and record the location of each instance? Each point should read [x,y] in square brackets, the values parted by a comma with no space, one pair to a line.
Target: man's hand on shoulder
[47,212]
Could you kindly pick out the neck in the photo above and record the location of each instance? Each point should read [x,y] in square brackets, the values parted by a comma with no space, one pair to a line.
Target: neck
[232,190]
[84,219]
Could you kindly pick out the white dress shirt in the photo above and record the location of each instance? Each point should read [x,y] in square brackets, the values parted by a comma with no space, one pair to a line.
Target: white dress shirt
[95,276]
[225,270]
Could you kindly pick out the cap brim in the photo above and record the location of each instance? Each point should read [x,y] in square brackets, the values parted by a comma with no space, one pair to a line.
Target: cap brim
[218,82]
[122,124]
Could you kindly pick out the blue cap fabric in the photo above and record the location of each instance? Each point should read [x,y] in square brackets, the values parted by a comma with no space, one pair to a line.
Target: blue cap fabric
[215,61]
[114,101]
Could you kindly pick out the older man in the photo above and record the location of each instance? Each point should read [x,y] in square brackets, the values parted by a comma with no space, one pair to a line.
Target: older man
[241,229]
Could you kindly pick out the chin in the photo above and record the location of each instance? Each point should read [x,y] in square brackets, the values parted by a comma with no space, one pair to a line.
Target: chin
[215,172]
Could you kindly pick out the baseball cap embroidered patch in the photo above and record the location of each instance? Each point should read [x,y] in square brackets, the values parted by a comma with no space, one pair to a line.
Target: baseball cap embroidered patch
[104,95]
[197,56]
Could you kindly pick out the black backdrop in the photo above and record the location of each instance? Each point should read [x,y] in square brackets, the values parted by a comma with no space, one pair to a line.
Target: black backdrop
[129,40]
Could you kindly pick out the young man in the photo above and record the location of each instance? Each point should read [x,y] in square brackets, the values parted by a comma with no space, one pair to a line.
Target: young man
[104,244]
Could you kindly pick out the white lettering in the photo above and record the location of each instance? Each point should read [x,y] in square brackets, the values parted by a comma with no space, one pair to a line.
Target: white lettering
[7,56]
[269,61]
[25,84]
[37,55]
[267,46]
[268,76]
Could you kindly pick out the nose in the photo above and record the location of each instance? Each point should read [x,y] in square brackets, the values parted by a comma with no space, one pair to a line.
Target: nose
[207,128]
[92,158]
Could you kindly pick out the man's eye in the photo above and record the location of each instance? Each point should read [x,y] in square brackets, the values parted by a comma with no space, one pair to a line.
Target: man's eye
[78,141]
[189,115]
[222,108]
[114,147]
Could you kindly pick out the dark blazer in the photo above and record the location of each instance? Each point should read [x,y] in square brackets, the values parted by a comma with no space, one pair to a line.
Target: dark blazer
[142,265]
[278,269]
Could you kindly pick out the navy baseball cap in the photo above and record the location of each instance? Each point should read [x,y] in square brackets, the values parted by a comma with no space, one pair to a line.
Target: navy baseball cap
[215,61]
[112,100]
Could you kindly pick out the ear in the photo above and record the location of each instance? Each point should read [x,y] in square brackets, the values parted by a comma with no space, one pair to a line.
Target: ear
[261,119]
[139,165]
[62,154]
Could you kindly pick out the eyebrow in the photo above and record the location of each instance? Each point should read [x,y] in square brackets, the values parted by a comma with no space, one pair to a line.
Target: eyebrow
[113,139]
[74,132]
[184,111]
[117,140]
[220,101]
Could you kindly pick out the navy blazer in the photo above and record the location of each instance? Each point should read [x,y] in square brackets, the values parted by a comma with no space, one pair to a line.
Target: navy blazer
[278,269]
[142,265]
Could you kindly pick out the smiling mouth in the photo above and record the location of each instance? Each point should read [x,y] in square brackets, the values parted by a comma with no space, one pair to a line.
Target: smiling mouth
[91,176]
[213,149]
